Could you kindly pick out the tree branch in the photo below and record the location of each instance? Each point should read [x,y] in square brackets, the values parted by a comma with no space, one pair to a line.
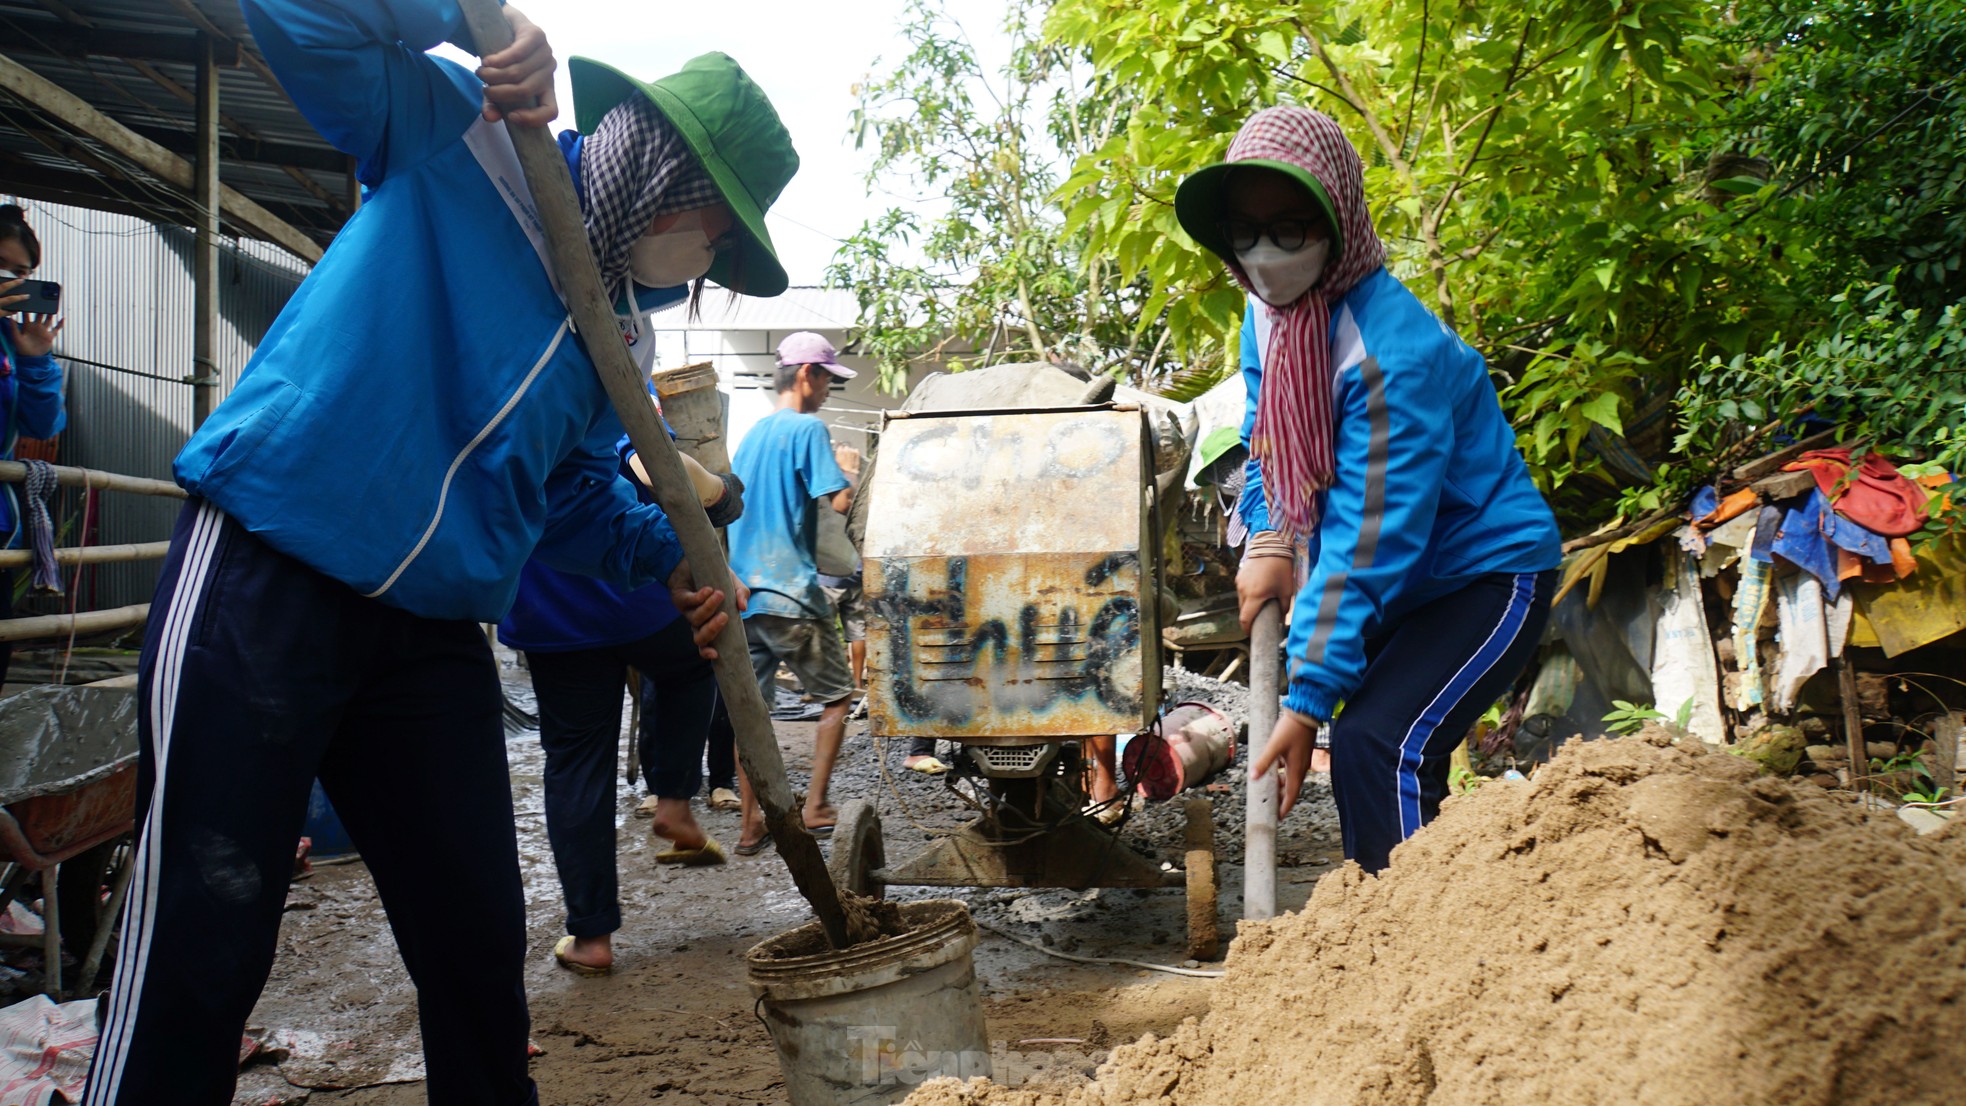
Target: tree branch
[1419,65]
[1429,227]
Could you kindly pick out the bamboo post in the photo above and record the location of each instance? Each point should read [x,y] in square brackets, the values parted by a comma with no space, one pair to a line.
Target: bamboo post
[1259,871]
[90,554]
[15,472]
[61,625]
[593,317]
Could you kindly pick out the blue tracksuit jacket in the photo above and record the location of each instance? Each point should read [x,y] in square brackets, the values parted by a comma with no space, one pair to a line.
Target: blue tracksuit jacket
[420,417]
[1430,489]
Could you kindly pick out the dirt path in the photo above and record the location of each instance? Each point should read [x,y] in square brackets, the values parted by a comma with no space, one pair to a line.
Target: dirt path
[674,1022]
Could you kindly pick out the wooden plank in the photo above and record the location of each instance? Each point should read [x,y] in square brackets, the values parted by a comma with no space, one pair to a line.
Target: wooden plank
[61,104]
[1773,462]
[1784,485]
[1853,725]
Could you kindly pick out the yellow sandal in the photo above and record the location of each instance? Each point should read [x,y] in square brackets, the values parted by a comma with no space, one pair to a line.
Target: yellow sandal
[707,854]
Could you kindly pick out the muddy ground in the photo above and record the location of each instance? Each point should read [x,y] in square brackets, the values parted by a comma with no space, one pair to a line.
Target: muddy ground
[674,1023]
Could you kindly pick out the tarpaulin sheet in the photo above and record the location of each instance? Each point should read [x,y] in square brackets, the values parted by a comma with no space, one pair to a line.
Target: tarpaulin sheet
[1922,608]
[45,1050]
[53,740]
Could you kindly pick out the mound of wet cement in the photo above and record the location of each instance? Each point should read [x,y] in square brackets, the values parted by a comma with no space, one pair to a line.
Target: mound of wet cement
[1644,923]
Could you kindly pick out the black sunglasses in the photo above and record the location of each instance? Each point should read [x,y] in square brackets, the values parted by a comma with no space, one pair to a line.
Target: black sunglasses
[1288,234]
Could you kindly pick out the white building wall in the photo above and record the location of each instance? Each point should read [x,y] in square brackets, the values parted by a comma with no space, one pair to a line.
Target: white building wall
[746,359]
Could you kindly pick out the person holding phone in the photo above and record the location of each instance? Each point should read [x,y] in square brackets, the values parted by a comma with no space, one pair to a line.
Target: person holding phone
[30,382]
[1376,438]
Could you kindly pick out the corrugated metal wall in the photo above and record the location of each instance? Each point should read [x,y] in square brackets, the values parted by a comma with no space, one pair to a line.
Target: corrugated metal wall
[126,290]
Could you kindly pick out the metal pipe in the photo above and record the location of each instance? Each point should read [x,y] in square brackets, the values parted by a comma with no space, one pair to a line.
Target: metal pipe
[89,554]
[15,472]
[593,317]
[61,625]
[1259,872]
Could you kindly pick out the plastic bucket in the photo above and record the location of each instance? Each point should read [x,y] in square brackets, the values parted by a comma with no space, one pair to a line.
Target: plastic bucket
[866,1025]
[324,827]
[1188,744]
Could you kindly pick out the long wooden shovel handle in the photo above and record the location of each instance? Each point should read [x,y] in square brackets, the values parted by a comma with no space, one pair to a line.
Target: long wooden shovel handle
[580,279]
[1259,873]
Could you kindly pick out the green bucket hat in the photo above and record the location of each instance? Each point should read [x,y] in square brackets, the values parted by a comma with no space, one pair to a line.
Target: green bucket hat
[1202,200]
[732,129]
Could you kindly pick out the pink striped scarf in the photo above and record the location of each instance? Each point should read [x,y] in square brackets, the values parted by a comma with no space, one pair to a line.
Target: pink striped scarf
[1296,425]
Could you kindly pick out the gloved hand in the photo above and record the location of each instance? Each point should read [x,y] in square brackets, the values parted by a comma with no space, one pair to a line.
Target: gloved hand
[730,506]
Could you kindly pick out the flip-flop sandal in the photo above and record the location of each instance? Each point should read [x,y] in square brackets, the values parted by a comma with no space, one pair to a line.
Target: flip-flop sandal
[705,855]
[820,831]
[647,807]
[928,766]
[723,798]
[755,847]
[574,966]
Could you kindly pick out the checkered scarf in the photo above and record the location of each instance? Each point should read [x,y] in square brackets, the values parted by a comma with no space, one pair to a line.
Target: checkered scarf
[634,167]
[1296,422]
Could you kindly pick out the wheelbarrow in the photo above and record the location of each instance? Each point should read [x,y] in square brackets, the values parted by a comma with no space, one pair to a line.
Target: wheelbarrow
[68,778]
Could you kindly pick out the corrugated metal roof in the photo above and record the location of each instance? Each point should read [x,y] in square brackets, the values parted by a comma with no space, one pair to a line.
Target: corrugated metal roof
[799,308]
[269,151]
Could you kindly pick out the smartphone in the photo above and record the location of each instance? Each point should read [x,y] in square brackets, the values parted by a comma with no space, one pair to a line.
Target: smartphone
[43,298]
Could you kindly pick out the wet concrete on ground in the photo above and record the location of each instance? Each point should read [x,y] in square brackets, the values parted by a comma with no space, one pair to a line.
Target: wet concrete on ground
[675,1022]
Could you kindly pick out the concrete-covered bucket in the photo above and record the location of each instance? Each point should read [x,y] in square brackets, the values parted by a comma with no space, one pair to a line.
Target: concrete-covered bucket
[866,1025]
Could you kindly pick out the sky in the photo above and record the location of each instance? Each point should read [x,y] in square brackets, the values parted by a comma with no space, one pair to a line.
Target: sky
[806,56]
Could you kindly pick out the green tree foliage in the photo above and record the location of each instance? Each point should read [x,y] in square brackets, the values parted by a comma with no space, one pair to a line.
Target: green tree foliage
[1668,221]
[1607,199]
[991,273]
[1537,169]
[1891,377]
[1861,108]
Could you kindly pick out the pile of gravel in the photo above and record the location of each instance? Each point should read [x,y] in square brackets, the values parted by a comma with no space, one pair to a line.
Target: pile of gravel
[1178,685]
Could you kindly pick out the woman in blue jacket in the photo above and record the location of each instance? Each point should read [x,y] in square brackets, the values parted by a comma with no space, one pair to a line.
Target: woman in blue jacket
[30,385]
[1376,439]
[355,516]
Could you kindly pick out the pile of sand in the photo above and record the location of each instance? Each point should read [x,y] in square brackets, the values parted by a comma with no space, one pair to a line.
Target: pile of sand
[1643,924]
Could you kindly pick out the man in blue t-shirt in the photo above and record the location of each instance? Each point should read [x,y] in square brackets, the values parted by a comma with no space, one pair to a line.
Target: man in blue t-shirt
[787,466]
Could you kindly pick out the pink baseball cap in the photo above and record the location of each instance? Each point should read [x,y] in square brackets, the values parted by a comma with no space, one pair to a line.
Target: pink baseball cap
[807,348]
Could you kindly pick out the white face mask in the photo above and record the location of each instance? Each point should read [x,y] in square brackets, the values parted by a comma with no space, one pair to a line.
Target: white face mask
[676,256]
[1280,275]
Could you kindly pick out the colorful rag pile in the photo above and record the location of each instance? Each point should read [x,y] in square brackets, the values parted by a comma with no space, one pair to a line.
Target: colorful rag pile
[1873,494]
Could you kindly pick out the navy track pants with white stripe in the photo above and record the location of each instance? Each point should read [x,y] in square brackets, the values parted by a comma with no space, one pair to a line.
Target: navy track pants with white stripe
[258,675]
[1427,681]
